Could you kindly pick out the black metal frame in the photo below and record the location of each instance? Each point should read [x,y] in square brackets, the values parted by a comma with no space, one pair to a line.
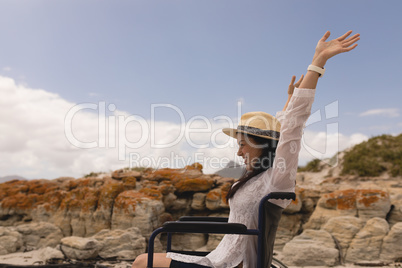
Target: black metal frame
[217,225]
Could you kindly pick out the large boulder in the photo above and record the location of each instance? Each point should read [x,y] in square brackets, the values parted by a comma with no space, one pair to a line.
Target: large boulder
[121,244]
[10,240]
[288,227]
[311,248]
[344,230]
[137,209]
[372,203]
[40,235]
[80,248]
[366,245]
[339,203]
[362,203]
[392,244]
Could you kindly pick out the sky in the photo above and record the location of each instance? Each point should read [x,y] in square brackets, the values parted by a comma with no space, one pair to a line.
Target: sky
[94,86]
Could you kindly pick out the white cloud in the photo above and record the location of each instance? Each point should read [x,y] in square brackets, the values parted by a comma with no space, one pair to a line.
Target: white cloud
[325,145]
[33,142]
[390,112]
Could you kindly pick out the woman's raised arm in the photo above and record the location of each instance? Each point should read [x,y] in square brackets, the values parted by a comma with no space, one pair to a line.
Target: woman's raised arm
[326,50]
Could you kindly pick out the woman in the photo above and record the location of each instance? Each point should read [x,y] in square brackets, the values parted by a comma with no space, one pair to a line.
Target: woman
[270,148]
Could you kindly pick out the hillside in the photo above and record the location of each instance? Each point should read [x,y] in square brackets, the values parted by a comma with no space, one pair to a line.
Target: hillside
[381,155]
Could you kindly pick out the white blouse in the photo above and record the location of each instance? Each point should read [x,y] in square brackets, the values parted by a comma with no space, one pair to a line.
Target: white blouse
[234,249]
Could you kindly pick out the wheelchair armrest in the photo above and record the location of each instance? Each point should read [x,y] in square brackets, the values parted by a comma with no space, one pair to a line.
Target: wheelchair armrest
[282,195]
[200,218]
[204,227]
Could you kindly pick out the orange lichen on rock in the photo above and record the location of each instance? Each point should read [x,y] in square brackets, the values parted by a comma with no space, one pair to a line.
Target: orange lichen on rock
[342,200]
[165,174]
[40,186]
[124,173]
[90,201]
[193,185]
[214,195]
[73,199]
[166,187]
[13,187]
[195,166]
[108,193]
[348,199]
[21,201]
[129,182]
[152,192]
[52,200]
[189,172]
[369,197]
[128,200]
[225,190]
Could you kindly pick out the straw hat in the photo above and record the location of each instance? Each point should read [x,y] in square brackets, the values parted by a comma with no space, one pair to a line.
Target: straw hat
[258,124]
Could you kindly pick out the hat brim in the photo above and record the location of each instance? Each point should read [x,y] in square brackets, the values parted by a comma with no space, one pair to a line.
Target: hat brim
[232,132]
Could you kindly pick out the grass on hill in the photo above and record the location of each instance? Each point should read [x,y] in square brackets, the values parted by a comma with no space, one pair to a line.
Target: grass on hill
[370,158]
[375,156]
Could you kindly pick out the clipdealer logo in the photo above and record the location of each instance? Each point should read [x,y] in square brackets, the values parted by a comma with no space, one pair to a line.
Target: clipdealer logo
[125,132]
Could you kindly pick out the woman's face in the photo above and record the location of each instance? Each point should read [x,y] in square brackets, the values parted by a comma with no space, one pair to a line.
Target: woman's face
[249,150]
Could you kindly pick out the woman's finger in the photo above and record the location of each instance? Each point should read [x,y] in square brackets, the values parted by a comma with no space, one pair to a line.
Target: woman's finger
[325,36]
[293,80]
[354,37]
[351,41]
[299,81]
[341,38]
[350,48]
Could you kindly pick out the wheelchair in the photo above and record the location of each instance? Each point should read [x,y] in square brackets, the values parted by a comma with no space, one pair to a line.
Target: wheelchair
[268,219]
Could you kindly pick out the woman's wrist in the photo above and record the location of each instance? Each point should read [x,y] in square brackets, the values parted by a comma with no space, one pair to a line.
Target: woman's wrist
[319,61]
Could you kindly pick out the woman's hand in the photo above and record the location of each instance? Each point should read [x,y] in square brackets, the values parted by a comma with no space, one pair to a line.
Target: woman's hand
[292,84]
[291,88]
[326,50]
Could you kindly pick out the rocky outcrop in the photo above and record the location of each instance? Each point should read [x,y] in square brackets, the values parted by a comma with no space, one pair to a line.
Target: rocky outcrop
[27,237]
[112,216]
[311,248]
[362,203]
[107,244]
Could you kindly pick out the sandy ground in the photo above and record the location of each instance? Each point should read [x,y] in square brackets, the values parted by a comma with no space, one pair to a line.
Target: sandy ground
[38,257]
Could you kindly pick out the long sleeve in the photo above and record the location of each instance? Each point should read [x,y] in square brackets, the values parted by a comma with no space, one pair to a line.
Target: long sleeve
[283,176]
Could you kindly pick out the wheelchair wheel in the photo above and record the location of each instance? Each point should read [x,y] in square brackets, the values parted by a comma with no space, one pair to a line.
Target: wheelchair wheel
[277,264]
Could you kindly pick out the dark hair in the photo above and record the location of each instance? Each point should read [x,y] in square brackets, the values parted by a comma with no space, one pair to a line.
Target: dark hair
[265,162]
